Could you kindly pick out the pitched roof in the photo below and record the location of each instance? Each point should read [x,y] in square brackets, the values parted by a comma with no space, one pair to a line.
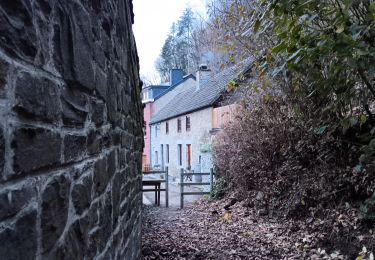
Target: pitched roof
[191,99]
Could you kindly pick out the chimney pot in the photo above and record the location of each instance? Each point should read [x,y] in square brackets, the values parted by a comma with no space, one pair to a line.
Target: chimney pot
[203,75]
[175,76]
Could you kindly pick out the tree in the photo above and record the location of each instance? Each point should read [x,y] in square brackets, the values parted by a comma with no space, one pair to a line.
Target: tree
[232,23]
[177,51]
[322,54]
[320,50]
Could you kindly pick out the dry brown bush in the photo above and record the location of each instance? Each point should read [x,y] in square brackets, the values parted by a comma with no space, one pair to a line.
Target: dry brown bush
[299,168]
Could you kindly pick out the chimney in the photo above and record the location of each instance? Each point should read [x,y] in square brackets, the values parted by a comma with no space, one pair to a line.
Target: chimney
[175,76]
[203,75]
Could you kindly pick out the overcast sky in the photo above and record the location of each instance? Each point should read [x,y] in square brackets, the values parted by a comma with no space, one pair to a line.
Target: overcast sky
[153,19]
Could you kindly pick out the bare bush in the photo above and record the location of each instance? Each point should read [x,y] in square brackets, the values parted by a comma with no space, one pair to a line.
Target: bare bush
[278,150]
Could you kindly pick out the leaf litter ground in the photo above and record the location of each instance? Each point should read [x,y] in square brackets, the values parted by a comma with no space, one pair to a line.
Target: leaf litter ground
[206,230]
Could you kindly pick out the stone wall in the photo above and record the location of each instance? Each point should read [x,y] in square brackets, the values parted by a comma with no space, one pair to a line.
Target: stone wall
[70,130]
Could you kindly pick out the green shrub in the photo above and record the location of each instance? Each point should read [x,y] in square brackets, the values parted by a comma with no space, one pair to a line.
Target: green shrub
[218,189]
[368,208]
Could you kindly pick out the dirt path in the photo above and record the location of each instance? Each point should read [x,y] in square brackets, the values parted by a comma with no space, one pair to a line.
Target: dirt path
[205,230]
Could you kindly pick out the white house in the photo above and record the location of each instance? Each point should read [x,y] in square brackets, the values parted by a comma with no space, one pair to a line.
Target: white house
[151,99]
[182,129]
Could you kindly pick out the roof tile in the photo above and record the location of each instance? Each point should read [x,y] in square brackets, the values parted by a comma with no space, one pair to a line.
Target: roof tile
[192,99]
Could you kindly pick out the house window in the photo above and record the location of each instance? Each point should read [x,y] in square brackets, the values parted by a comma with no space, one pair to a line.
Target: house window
[188,155]
[144,128]
[166,128]
[167,155]
[162,156]
[179,152]
[179,125]
[187,123]
[156,158]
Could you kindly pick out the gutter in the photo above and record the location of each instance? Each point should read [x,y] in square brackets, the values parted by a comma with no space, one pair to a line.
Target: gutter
[184,113]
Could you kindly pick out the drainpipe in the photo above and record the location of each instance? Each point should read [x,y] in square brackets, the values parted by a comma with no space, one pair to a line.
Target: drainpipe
[150,146]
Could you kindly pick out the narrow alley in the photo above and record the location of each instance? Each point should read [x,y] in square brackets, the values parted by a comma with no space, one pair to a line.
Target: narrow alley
[214,230]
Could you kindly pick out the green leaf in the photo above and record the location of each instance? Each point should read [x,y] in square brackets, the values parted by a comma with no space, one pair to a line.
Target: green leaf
[372,9]
[353,121]
[358,168]
[257,26]
[348,3]
[321,130]
[345,125]
[362,52]
[294,55]
[364,158]
[277,71]
[340,28]
[266,98]
[372,143]
[362,119]
[305,3]
[279,48]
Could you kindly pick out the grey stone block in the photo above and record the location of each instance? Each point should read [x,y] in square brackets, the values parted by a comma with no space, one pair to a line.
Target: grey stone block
[101,176]
[18,34]
[74,104]
[81,194]
[111,163]
[55,202]
[118,180]
[2,150]
[4,66]
[19,241]
[73,244]
[74,147]
[14,200]
[97,114]
[35,148]
[93,142]
[89,221]
[105,218]
[37,97]
[101,83]
[82,46]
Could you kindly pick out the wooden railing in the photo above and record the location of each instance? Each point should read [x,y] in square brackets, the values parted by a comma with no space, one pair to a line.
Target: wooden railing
[147,167]
[183,184]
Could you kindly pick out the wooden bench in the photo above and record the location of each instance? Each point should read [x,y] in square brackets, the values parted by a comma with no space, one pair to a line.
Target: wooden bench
[156,183]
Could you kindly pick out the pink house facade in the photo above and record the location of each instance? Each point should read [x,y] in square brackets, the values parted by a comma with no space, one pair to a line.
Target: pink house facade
[147,113]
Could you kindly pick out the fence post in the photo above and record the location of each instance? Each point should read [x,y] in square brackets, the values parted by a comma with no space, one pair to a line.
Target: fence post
[211,181]
[166,187]
[181,188]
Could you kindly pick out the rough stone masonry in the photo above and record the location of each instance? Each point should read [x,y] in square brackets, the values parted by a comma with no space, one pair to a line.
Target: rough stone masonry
[70,130]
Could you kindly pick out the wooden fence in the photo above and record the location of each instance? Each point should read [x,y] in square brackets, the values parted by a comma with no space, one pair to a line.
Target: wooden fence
[183,184]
